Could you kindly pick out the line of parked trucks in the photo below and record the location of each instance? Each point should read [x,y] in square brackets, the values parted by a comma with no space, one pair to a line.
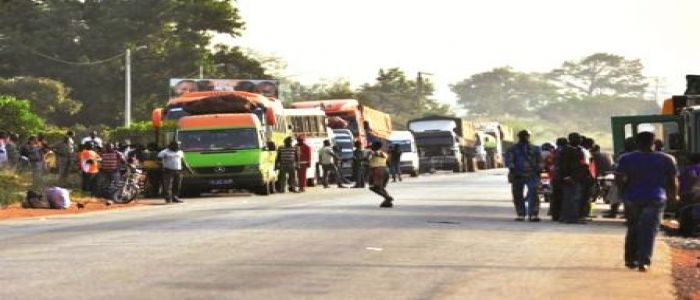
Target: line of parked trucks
[230,138]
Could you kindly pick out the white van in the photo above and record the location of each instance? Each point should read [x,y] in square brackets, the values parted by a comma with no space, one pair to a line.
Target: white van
[409,155]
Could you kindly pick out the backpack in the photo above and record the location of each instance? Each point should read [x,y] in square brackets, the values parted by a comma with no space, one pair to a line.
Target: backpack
[34,200]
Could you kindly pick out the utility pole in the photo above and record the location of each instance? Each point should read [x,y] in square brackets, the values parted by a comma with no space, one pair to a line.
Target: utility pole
[127,92]
[419,87]
[127,79]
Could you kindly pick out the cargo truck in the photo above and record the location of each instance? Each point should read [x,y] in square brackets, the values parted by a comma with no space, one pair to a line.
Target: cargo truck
[445,143]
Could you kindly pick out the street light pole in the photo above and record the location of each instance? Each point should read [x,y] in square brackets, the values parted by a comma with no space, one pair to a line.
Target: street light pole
[127,93]
[127,79]
[419,87]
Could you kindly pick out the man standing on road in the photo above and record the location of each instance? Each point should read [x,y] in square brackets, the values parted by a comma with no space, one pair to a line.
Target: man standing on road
[648,179]
[573,174]
[359,164]
[112,160]
[523,160]
[173,161]
[287,164]
[328,158]
[395,162]
[304,162]
[65,154]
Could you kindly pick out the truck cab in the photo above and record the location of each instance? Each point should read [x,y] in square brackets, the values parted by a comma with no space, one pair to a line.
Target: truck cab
[410,162]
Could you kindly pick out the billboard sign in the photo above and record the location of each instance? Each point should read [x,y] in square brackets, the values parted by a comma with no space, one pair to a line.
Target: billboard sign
[268,88]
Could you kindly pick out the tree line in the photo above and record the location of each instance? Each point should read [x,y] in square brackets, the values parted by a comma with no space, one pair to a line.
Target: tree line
[580,95]
[66,58]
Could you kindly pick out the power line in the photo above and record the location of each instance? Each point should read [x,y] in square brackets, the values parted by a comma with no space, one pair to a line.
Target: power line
[88,63]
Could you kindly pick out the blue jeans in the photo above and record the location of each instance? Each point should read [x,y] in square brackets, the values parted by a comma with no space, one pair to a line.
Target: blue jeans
[570,207]
[643,220]
[533,201]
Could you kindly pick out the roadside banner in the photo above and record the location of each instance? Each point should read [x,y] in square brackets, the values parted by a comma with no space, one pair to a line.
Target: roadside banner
[265,87]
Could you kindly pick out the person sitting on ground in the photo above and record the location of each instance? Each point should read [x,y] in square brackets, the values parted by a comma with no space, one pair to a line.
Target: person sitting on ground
[379,174]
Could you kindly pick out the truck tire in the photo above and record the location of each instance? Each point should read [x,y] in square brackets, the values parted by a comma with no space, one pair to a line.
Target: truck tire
[264,190]
[414,173]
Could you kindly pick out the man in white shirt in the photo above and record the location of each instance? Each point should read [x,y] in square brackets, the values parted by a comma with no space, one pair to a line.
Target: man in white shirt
[94,140]
[328,159]
[173,160]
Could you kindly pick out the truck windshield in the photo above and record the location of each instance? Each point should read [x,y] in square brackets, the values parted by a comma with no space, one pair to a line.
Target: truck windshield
[220,139]
[404,145]
[435,140]
[351,119]
[175,113]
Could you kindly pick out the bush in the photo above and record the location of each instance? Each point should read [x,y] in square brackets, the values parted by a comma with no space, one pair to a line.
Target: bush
[139,133]
[12,187]
[18,117]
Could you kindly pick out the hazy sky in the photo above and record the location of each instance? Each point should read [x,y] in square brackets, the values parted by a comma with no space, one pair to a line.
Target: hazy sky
[455,39]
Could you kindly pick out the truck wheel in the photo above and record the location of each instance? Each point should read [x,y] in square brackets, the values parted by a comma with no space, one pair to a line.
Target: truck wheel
[263,190]
[414,173]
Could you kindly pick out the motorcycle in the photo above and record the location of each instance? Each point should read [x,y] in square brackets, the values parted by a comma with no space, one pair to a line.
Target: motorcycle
[128,187]
[545,187]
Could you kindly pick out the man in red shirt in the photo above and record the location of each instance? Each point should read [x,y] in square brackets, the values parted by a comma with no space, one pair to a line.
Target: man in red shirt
[112,160]
[304,162]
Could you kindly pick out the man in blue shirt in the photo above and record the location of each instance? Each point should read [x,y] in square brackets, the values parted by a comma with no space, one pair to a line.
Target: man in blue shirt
[524,160]
[648,179]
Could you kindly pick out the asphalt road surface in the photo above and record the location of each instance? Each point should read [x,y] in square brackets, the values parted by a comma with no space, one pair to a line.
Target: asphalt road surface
[449,237]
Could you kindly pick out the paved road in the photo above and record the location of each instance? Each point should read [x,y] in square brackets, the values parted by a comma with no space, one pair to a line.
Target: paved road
[450,236]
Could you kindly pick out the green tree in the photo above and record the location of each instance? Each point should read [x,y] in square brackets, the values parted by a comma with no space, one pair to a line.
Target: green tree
[82,42]
[601,74]
[504,91]
[394,93]
[18,116]
[326,89]
[48,98]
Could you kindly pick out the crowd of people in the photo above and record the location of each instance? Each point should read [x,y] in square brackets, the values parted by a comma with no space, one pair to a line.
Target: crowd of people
[98,163]
[369,165]
[646,181]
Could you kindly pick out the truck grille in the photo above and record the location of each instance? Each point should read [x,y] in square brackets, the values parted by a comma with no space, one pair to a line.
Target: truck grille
[219,170]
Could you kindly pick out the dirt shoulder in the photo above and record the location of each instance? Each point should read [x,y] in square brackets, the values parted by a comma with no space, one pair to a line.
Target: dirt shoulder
[685,254]
[87,205]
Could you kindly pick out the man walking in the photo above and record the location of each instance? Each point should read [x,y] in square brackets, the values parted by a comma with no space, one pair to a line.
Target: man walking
[648,179]
[327,157]
[523,160]
[287,163]
[173,161]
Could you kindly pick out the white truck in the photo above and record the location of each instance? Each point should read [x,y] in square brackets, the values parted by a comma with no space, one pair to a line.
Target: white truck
[410,162]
